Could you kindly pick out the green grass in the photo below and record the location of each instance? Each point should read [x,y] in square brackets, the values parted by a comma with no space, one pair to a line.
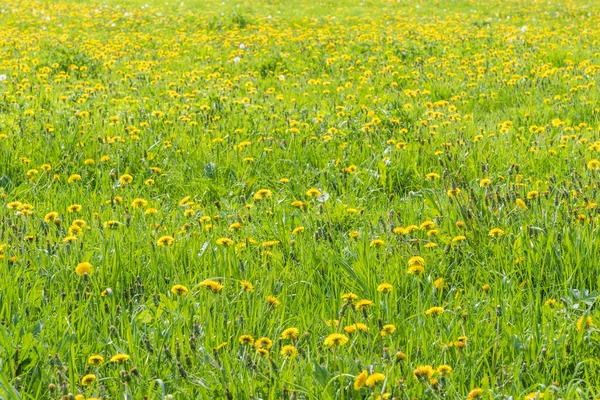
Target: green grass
[204,104]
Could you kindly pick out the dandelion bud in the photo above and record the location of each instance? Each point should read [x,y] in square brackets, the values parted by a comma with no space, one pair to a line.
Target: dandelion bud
[64,388]
[168,352]
[181,371]
[51,387]
[70,396]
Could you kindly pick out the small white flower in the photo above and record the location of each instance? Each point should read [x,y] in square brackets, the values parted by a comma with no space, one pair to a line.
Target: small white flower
[2,78]
[236,60]
[242,46]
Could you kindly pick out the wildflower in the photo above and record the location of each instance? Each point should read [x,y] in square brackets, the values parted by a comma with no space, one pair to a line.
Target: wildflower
[263,343]
[95,359]
[444,369]
[432,176]
[496,232]
[179,290]
[288,351]
[272,300]
[534,194]
[416,261]
[336,339]
[263,352]
[593,164]
[485,182]
[84,268]
[262,194]
[139,203]
[363,304]
[165,241]
[213,286]
[423,371]
[298,204]
[125,179]
[583,323]
[290,333]
[521,204]
[74,178]
[360,380]
[247,286]
[74,208]
[88,379]
[377,243]
[246,339]
[235,226]
[400,356]
[458,239]
[298,230]
[224,242]
[534,396]
[453,192]
[474,394]
[119,358]
[388,330]
[434,311]
[313,192]
[384,288]
[374,379]
[439,283]
[416,270]
[51,216]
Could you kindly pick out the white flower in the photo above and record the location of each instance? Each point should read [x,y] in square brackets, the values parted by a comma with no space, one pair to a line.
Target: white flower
[2,78]
[242,46]
[236,60]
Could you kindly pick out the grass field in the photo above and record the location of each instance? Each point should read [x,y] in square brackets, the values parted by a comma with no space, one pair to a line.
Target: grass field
[299,199]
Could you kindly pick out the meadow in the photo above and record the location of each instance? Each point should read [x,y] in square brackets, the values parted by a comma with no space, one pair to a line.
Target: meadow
[299,199]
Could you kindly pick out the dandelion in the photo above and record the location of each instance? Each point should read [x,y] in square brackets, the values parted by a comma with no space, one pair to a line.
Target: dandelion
[583,323]
[95,359]
[88,379]
[423,372]
[458,239]
[363,305]
[377,243]
[313,192]
[179,290]
[272,300]
[211,285]
[521,204]
[288,351]
[263,343]
[593,165]
[290,333]
[165,241]
[119,358]
[74,178]
[388,330]
[474,394]
[384,288]
[246,286]
[224,242]
[374,379]
[360,380]
[125,179]
[84,268]
[534,396]
[336,340]
[246,340]
[496,232]
[434,311]
[444,369]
